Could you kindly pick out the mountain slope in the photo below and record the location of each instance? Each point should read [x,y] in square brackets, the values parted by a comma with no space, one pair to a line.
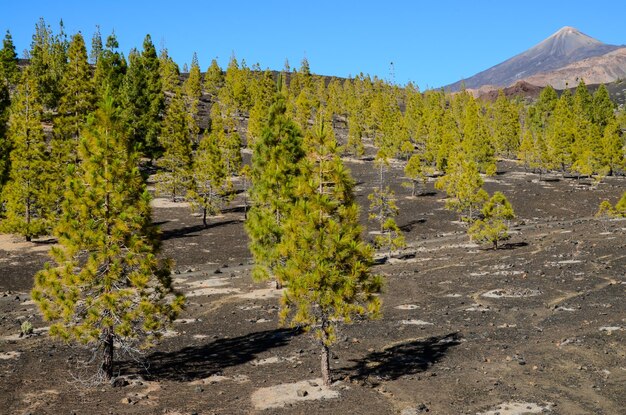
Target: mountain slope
[596,70]
[564,47]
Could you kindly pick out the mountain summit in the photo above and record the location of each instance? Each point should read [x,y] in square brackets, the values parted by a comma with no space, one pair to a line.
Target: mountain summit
[564,47]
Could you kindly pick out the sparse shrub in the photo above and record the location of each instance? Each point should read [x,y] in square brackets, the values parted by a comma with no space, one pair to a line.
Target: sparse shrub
[26,329]
[493,227]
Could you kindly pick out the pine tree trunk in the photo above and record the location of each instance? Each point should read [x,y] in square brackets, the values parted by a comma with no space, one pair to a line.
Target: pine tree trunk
[206,225]
[107,358]
[326,379]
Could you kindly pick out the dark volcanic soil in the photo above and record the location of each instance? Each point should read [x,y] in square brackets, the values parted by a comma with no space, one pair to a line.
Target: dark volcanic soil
[536,327]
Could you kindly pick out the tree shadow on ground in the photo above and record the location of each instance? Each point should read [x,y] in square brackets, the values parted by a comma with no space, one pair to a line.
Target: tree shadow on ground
[198,362]
[187,231]
[513,245]
[408,227]
[403,359]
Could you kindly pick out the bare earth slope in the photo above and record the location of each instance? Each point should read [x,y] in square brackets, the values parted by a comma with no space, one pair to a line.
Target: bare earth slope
[597,70]
[536,327]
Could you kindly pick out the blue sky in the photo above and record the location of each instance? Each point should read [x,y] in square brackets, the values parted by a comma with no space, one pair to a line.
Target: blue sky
[431,43]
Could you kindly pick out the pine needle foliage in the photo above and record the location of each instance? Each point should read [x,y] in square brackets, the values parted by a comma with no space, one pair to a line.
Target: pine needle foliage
[26,196]
[383,210]
[175,176]
[106,288]
[212,187]
[493,228]
[327,268]
[276,166]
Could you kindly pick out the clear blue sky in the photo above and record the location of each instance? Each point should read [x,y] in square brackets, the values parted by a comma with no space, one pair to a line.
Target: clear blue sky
[431,43]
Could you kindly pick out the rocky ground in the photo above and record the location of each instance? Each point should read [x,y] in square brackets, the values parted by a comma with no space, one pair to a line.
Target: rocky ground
[535,327]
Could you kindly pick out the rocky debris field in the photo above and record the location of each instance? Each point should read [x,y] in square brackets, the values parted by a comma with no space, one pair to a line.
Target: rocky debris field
[538,326]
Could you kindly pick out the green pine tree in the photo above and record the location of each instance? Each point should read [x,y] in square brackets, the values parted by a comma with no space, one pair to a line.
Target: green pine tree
[212,186]
[27,194]
[493,228]
[110,71]
[77,101]
[107,287]
[96,47]
[9,72]
[213,79]
[327,267]
[48,57]
[169,72]
[175,175]
[463,185]
[276,165]
[383,210]
[152,118]
[612,148]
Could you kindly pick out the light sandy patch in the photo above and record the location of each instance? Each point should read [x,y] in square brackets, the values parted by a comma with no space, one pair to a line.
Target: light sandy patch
[610,329]
[353,160]
[273,360]
[170,334]
[413,322]
[212,291]
[453,295]
[14,337]
[220,378]
[200,336]
[262,293]
[186,320]
[407,307]
[9,355]
[518,408]
[162,202]
[510,293]
[287,393]
[477,307]
[10,243]
[210,282]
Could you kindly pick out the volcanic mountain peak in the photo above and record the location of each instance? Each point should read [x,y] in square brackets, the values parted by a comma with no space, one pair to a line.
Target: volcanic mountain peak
[562,48]
[564,42]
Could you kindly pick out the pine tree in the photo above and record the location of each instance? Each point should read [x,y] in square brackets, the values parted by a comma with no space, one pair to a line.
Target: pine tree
[152,117]
[77,101]
[48,56]
[383,210]
[505,126]
[9,72]
[175,175]
[560,133]
[169,72]
[229,140]
[27,194]
[612,148]
[417,170]
[96,47]
[533,152]
[327,267]
[603,109]
[276,166]
[192,89]
[476,144]
[463,185]
[620,206]
[492,228]
[110,72]
[5,141]
[107,287]
[212,187]
[213,79]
